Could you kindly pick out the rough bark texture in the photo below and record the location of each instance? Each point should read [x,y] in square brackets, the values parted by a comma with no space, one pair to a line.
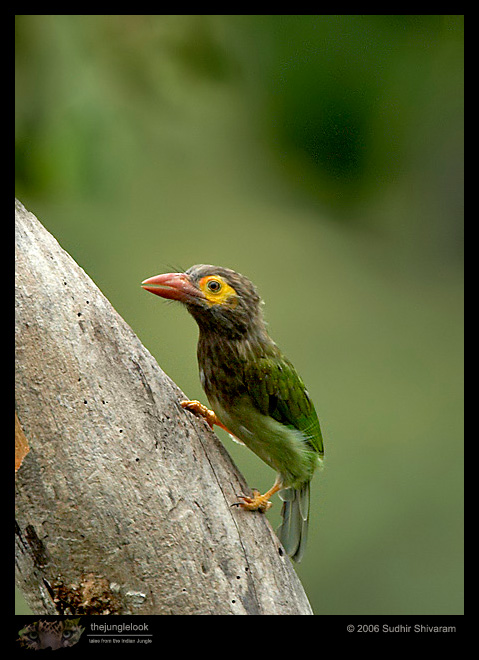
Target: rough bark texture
[123,498]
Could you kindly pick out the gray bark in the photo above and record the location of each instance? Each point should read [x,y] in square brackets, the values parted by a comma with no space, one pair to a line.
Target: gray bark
[123,498]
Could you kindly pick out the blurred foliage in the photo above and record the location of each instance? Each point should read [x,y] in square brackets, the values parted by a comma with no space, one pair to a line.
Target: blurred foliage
[322,156]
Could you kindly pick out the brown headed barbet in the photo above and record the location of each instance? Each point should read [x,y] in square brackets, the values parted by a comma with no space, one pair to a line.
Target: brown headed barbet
[254,391]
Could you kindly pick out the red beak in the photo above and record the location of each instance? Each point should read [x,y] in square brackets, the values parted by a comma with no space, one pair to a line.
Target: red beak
[174,286]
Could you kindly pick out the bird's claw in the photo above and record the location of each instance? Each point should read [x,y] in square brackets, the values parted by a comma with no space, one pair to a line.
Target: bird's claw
[256,503]
[200,410]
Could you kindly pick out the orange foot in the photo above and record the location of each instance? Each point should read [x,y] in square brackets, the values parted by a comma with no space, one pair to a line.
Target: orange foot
[258,502]
[208,415]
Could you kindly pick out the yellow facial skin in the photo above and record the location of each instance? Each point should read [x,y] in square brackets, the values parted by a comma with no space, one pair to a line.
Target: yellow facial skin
[217,291]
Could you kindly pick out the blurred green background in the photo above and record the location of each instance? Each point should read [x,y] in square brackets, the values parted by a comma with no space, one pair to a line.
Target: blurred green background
[322,156]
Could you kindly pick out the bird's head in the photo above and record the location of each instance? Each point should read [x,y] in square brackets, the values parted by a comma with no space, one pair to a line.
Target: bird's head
[220,299]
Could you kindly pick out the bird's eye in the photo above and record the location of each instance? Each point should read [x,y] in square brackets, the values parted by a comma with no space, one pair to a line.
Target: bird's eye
[214,286]
[217,292]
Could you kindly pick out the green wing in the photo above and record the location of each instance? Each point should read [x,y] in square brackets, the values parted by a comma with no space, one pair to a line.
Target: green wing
[277,390]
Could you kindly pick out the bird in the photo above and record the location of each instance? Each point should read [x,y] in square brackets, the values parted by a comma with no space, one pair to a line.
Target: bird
[254,391]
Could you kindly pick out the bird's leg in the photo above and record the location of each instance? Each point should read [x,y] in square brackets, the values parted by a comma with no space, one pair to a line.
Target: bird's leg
[208,415]
[259,502]
[256,503]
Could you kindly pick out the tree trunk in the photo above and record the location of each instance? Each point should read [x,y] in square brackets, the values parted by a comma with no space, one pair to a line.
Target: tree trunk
[123,498]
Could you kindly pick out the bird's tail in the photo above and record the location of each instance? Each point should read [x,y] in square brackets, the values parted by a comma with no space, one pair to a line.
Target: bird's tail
[293,531]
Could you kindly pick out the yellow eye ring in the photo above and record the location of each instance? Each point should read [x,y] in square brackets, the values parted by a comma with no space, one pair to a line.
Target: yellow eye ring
[217,291]
[214,286]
